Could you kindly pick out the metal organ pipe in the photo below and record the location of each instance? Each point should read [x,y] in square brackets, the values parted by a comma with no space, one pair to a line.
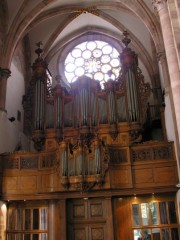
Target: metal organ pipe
[42,104]
[132,96]
[64,162]
[111,101]
[98,160]
[39,104]
[84,106]
[93,109]
[76,111]
[58,112]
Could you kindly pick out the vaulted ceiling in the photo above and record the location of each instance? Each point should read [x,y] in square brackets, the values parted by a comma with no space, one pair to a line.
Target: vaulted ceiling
[58,22]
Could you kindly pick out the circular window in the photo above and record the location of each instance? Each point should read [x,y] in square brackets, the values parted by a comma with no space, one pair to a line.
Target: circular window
[96,59]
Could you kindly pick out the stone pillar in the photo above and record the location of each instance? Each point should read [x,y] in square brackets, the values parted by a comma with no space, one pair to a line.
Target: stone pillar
[57,220]
[4,74]
[171,55]
[173,66]
[165,83]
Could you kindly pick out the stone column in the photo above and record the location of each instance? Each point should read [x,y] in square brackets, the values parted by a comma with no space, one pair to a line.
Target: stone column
[4,74]
[173,66]
[165,82]
[171,55]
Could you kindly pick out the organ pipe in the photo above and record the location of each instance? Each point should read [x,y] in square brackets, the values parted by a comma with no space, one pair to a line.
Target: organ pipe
[58,92]
[40,78]
[109,86]
[129,62]
[97,156]
[64,158]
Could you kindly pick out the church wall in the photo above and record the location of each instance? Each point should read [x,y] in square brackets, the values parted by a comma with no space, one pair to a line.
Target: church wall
[11,120]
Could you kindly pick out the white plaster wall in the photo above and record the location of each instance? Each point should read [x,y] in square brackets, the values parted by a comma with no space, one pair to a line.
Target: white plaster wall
[12,132]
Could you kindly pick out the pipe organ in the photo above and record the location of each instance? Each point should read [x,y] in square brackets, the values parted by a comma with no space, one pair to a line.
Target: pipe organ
[83,118]
[94,141]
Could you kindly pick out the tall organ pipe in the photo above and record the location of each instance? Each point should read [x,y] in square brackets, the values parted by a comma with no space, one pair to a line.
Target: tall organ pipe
[129,63]
[111,101]
[58,112]
[64,163]
[84,106]
[109,86]
[58,93]
[40,79]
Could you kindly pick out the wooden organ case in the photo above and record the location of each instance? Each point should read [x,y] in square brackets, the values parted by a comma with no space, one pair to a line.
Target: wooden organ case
[90,143]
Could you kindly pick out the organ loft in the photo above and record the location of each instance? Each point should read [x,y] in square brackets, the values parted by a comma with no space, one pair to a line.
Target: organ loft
[100,156]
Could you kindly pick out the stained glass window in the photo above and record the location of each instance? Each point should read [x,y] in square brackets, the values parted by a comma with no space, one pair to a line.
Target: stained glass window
[95,59]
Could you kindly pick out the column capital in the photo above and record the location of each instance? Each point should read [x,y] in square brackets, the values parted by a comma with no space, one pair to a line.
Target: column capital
[161,56]
[5,72]
[159,4]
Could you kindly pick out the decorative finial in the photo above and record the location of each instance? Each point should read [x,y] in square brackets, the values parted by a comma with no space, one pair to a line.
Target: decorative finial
[126,40]
[39,50]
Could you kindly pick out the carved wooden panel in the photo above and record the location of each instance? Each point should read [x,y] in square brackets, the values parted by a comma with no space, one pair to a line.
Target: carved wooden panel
[11,163]
[118,155]
[27,162]
[166,175]
[96,210]
[80,233]
[144,175]
[48,160]
[121,176]
[79,211]
[46,181]
[97,233]
[10,184]
[153,151]
[155,174]
[28,183]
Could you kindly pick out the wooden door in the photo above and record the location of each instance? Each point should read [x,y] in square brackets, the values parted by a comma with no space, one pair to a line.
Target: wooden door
[87,220]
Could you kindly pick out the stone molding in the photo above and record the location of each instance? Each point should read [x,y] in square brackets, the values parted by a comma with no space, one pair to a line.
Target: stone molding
[159,4]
